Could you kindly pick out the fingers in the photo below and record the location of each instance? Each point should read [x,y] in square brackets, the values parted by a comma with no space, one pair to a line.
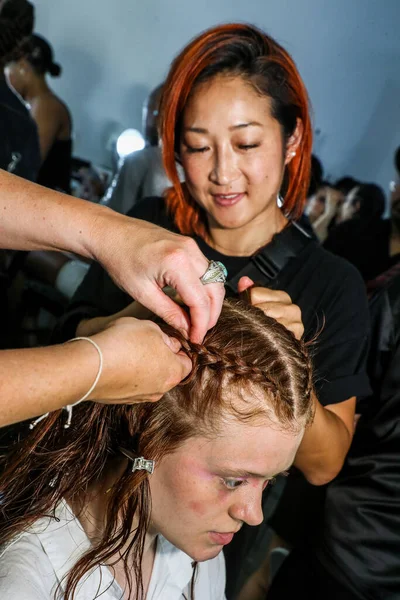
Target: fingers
[164,307]
[244,284]
[172,343]
[216,293]
[185,366]
[204,303]
[278,305]
[187,265]
[259,295]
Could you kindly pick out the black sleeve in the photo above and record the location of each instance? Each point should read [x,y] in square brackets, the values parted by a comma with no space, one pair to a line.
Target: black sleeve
[340,351]
[98,295]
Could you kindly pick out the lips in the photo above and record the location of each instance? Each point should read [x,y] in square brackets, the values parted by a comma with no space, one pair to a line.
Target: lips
[226,200]
[221,538]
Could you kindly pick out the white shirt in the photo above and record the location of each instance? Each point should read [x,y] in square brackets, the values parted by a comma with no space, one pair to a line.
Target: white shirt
[33,565]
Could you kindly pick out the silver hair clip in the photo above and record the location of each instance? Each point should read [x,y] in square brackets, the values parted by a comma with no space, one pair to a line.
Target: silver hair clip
[139,463]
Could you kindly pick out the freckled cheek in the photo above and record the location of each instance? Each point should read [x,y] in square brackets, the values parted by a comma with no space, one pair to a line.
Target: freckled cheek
[198,508]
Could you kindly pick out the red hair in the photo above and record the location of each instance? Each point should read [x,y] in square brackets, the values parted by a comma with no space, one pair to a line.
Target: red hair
[242,50]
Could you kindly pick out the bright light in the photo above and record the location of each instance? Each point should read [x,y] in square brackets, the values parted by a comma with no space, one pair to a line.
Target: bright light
[130,140]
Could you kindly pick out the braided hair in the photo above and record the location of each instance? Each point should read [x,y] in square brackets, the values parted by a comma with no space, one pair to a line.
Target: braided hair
[248,366]
[16,25]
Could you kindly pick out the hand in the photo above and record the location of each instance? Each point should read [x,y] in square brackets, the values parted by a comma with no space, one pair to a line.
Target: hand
[276,304]
[143,258]
[140,362]
[334,200]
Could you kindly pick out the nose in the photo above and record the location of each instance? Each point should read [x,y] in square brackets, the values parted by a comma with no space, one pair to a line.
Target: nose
[224,169]
[248,509]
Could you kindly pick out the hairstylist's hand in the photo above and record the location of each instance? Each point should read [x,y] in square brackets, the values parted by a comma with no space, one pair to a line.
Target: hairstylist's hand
[140,362]
[143,258]
[274,303]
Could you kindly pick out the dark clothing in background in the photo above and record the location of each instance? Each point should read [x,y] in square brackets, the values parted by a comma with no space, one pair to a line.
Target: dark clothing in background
[56,169]
[356,554]
[333,301]
[301,576]
[19,147]
[365,246]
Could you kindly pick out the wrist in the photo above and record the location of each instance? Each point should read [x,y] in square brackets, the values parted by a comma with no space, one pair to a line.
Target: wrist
[89,327]
[91,361]
[102,226]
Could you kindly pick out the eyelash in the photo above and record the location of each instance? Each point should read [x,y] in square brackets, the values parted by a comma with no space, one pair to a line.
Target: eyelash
[240,482]
[226,481]
[192,150]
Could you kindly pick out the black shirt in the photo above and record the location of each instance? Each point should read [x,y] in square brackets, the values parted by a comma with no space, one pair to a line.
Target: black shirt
[360,540]
[56,169]
[19,148]
[365,246]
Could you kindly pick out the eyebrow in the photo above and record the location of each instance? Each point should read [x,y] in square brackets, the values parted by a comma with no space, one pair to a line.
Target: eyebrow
[233,128]
[243,473]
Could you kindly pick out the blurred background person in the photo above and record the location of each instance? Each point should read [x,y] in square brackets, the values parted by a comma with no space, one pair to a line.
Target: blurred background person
[362,236]
[142,173]
[28,77]
[19,148]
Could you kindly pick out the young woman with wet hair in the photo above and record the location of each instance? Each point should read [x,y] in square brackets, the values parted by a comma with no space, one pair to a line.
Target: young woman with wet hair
[84,515]
[28,77]
[234,113]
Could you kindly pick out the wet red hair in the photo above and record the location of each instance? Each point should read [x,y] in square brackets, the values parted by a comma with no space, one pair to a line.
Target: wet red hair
[240,50]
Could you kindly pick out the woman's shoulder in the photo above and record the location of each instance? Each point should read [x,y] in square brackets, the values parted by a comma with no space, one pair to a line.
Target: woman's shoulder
[153,210]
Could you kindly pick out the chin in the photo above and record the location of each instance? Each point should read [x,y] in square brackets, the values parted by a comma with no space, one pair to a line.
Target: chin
[204,554]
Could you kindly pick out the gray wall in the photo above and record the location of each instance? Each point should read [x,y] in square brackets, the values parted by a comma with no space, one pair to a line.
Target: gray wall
[348,51]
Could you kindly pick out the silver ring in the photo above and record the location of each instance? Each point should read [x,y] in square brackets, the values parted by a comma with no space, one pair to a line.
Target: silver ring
[216,273]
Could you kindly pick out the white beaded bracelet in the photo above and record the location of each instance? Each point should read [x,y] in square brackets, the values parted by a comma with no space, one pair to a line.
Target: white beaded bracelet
[69,407]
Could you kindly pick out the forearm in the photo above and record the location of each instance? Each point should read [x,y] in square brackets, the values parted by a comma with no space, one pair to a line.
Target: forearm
[39,380]
[37,218]
[89,327]
[324,446]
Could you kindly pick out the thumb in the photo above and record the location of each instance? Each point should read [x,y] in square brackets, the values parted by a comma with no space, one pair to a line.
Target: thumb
[172,343]
[185,364]
[244,284]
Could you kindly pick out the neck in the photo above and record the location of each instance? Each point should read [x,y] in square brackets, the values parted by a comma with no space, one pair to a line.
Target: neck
[246,240]
[91,511]
[37,87]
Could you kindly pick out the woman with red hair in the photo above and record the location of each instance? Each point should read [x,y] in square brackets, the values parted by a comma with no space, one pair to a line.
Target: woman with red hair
[234,114]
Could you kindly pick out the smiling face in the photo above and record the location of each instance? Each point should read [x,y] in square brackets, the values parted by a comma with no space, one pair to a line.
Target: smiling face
[232,152]
[204,491]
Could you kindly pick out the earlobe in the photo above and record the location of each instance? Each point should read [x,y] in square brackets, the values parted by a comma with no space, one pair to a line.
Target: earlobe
[294,142]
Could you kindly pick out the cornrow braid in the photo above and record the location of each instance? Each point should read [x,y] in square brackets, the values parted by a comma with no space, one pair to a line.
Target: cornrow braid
[279,364]
[16,25]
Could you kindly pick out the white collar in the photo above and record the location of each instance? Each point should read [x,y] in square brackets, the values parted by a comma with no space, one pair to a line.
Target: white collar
[65,541]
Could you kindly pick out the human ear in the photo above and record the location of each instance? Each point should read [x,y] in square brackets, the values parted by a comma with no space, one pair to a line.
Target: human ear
[294,142]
